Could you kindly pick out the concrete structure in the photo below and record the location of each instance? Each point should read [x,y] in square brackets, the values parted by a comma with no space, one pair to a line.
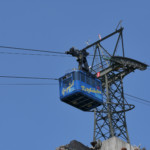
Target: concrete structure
[113,143]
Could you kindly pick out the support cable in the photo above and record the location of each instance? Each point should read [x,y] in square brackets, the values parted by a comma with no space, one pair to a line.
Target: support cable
[14,53]
[19,77]
[141,99]
[28,49]
[139,102]
[7,84]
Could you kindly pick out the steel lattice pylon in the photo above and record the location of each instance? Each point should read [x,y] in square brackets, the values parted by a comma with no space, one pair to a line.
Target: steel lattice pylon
[110,119]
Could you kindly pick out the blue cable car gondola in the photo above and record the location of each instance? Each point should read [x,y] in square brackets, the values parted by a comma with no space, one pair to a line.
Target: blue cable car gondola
[81,90]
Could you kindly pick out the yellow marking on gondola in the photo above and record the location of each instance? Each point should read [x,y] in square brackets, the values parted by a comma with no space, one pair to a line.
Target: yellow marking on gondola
[68,88]
[90,90]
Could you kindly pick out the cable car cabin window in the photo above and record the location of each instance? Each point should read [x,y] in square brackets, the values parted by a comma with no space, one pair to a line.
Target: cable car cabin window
[92,83]
[67,82]
[76,76]
[97,84]
[82,77]
[88,80]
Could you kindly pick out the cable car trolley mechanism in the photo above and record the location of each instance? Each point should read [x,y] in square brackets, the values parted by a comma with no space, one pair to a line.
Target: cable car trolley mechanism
[80,88]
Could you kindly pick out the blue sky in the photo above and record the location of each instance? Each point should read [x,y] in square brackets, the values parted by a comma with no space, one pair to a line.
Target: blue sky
[33,117]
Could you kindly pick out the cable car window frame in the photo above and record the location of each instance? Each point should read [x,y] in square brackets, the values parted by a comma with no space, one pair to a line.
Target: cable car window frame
[97,84]
[68,79]
[76,75]
[92,82]
[83,78]
[88,80]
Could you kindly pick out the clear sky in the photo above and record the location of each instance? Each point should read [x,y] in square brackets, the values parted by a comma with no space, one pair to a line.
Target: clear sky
[33,117]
